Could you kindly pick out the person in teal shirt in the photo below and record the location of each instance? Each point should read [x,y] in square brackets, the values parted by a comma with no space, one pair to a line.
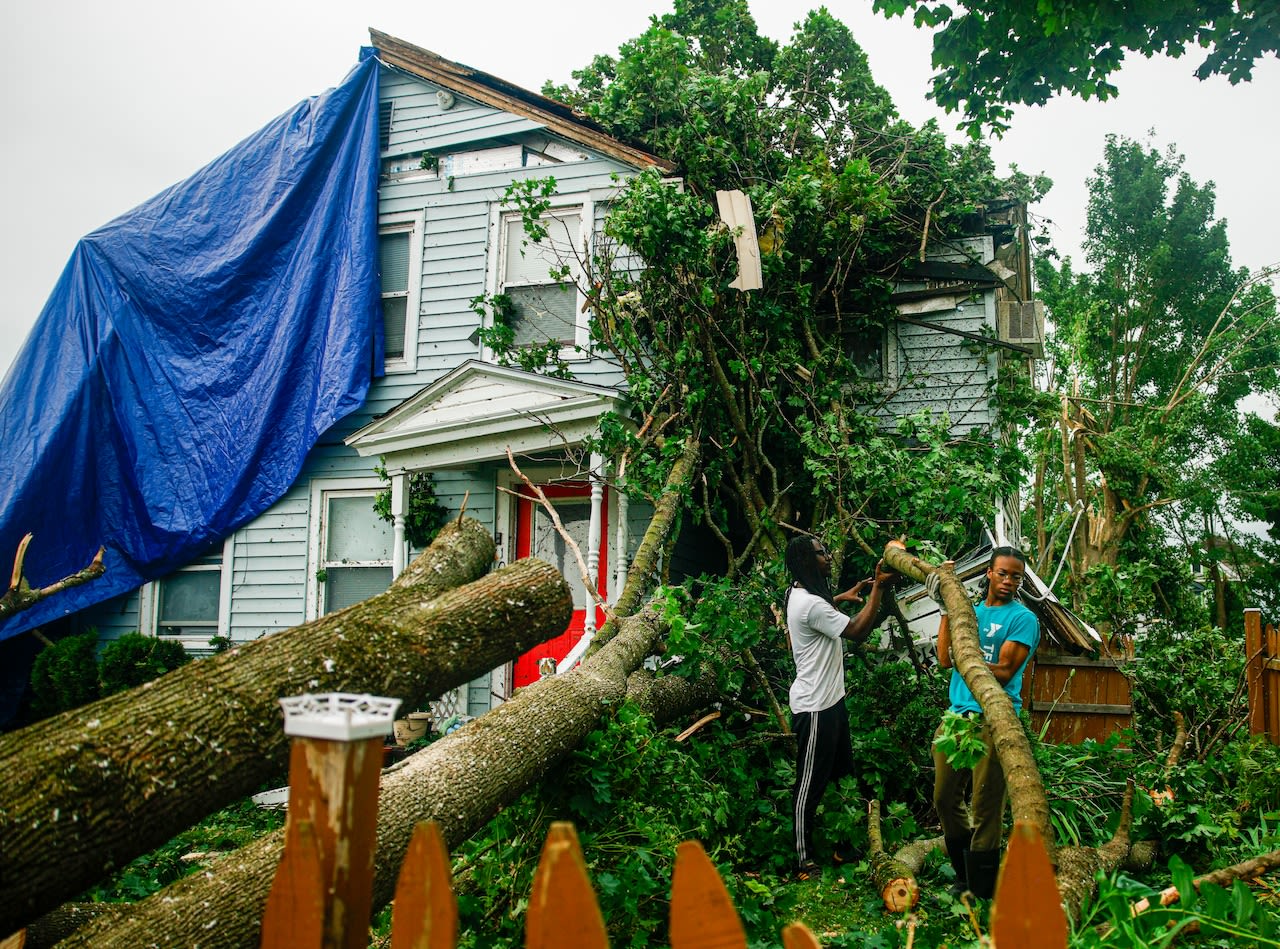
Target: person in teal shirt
[1009,634]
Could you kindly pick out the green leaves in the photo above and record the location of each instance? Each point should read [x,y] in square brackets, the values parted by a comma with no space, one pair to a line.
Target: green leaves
[998,53]
[959,738]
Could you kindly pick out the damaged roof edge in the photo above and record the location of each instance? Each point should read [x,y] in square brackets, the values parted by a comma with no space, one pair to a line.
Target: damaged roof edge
[500,94]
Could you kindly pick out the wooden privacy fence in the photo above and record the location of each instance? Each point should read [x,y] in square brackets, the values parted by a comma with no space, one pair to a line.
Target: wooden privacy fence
[322,892]
[1080,698]
[1262,675]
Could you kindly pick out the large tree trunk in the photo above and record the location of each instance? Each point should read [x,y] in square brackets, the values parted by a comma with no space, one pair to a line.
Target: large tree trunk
[1026,789]
[87,791]
[460,781]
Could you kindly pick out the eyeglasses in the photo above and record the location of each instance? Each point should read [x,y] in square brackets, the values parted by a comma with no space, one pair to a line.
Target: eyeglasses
[821,551]
[1017,578]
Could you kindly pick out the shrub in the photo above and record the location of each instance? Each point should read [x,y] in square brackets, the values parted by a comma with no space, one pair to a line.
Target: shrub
[1194,671]
[134,659]
[425,515]
[65,675]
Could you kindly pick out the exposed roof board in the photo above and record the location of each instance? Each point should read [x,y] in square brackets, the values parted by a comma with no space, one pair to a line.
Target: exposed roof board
[500,94]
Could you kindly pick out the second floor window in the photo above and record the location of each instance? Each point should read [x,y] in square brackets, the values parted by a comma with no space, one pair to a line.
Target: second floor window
[537,277]
[394,254]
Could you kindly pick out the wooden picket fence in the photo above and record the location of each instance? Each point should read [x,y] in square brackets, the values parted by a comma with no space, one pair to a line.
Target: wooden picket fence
[322,892]
[563,912]
[1262,675]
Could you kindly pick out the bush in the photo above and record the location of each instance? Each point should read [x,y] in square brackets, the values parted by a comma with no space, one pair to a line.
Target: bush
[70,673]
[893,712]
[134,659]
[1193,671]
[65,675]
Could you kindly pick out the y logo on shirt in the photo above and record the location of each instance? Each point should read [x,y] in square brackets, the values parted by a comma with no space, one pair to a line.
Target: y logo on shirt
[988,648]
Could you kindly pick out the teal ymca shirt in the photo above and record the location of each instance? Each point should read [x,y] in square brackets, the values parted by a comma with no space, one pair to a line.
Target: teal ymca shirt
[996,626]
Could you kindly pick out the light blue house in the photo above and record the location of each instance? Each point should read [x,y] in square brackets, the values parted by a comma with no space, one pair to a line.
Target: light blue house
[451,140]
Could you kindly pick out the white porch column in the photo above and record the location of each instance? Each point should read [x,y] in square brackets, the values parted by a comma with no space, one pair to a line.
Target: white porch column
[399,508]
[622,538]
[593,542]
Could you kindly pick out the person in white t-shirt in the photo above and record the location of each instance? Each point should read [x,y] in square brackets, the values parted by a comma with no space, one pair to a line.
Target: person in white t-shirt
[816,628]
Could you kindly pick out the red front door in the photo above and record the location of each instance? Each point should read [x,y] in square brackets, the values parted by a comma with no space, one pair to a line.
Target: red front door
[536,536]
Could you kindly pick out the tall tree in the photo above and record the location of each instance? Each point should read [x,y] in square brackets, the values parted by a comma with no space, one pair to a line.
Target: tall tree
[992,54]
[1156,347]
[844,192]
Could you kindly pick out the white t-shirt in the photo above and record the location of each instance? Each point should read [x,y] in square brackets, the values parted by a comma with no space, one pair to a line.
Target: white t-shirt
[815,627]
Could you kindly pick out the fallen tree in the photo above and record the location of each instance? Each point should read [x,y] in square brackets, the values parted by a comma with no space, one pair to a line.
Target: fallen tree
[90,789]
[459,781]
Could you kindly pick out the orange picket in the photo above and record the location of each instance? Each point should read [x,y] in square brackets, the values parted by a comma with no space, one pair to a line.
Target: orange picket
[1027,913]
[563,912]
[425,914]
[294,914]
[702,915]
[798,936]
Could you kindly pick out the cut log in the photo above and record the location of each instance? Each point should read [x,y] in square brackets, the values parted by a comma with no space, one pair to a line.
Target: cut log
[894,880]
[1246,870]
[88,790]
[913,855]
[1027,798]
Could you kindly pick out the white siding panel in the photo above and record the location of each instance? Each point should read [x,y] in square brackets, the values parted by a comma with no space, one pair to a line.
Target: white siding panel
[939,372]
[112,619]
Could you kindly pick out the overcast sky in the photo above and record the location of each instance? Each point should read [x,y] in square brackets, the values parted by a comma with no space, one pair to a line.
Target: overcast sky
[107,103]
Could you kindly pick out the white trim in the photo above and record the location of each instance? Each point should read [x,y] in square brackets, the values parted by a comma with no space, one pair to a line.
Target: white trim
[320,489]
[415,222]
[228,585]
[149,600]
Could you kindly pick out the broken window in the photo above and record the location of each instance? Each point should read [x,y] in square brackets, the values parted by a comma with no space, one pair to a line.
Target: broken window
[537,277]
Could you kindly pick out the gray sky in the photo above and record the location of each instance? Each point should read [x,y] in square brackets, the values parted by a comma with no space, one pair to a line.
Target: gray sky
[107,103]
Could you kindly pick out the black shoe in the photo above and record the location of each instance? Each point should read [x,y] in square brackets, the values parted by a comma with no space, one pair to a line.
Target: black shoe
[957,850]
[981,867]
[843,854]
[808,871]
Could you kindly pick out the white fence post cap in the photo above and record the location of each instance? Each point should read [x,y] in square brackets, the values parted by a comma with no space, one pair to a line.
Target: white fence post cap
[338,716]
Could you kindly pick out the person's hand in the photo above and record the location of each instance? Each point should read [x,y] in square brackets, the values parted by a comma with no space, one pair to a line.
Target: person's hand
[853,594]
[933,587]
[885,574]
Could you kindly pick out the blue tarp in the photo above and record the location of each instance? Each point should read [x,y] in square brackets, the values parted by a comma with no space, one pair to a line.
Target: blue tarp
[193,352]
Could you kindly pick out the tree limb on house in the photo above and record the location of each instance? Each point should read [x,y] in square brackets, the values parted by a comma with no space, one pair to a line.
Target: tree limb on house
[20,596]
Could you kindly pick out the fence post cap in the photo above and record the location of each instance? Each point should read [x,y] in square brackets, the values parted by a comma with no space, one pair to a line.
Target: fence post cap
[338,716]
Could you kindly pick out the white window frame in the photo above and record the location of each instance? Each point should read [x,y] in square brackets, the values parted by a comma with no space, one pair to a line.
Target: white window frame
[414,223]
[321,491]
[149,601]
[564,205]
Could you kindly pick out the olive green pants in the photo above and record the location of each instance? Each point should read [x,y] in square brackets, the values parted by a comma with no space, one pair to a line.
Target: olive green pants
[986,801]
